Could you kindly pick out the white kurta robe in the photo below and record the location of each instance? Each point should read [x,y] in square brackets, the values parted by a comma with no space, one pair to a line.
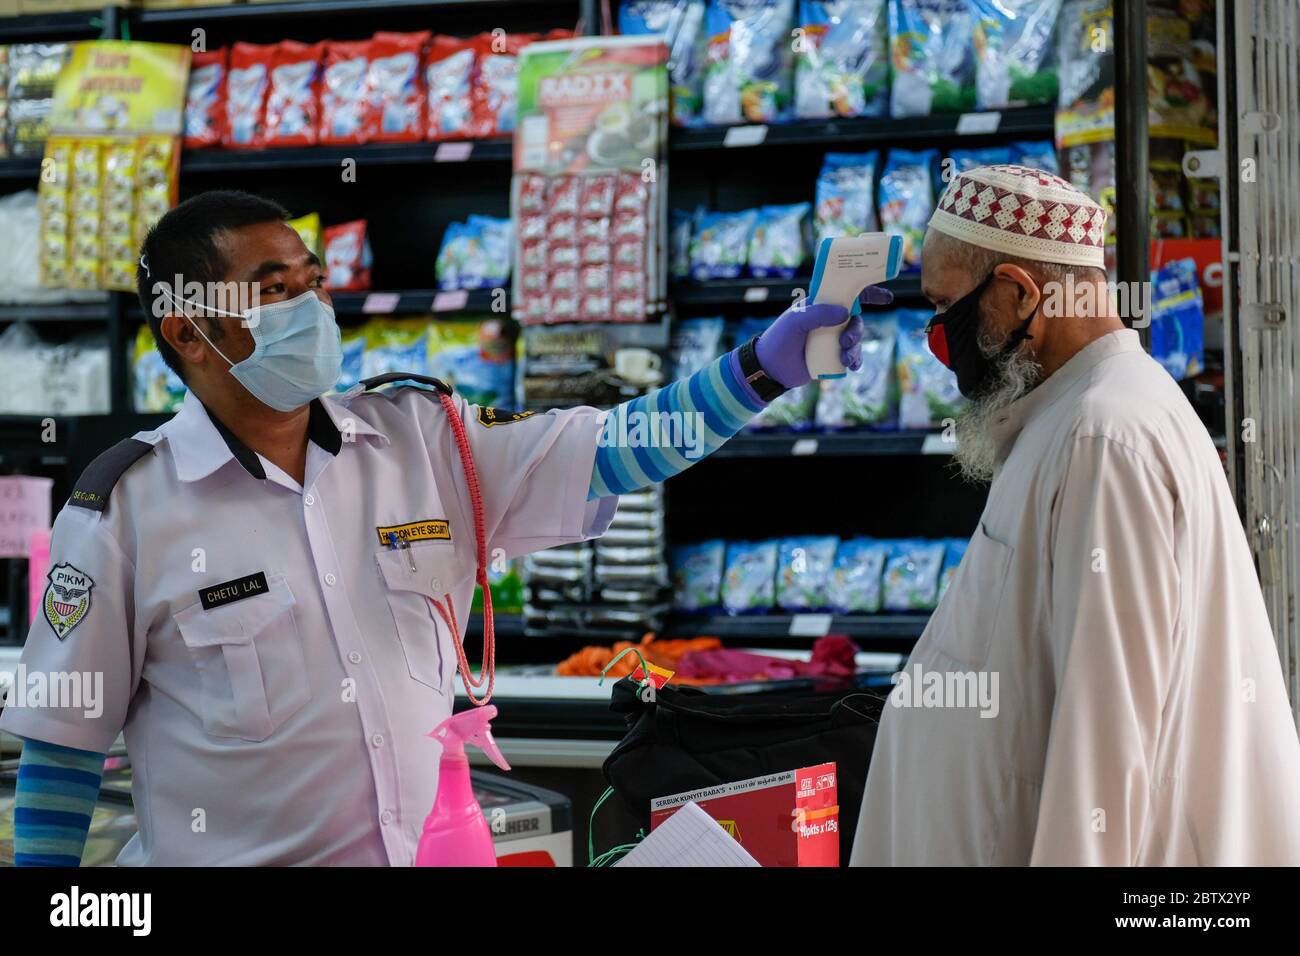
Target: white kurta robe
[1108,607]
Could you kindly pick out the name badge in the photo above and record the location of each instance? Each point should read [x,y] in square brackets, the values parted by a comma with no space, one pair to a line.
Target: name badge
[431,529]
[232,591]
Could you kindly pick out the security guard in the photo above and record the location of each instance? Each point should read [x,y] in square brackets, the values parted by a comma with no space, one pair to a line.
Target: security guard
[269,582]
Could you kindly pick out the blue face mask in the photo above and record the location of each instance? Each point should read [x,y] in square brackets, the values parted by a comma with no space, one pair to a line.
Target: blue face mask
[297,351]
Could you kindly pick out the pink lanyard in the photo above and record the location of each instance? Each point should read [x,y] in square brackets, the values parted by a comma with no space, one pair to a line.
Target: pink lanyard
[448,613]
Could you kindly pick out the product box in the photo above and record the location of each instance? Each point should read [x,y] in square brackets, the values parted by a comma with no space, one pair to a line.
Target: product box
[781,819]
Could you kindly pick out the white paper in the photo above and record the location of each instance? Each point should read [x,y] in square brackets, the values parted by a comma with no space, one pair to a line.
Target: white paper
[690,837]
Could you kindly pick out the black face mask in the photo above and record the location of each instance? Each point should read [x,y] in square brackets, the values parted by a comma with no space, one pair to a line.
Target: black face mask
[954,340]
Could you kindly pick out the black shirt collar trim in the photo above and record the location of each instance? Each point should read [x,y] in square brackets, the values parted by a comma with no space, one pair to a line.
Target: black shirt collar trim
[320,429]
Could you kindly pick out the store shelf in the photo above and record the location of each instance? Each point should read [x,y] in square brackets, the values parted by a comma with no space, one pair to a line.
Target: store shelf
[891,631]
[419,302]
[55,312]
[67,25]
[886,131]
[20,169]
[855,444]
[496,150]
[310,8]
[749,291]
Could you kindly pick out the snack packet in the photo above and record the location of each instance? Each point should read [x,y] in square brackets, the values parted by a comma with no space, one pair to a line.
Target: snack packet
[347,257]
[911,576]
[803,572]
[395,345]
[845,194]
[1178,319]
[344,93]
[720,246]
[907,200]
[854,583]
[395,86]
[354,350]
[749,70]
[697,575]
[779,244]
[293,97]
[841,64]
[928,389]
[475,254]
[868,396]
[967,159]
[496,93]
[246,88]
[954,549]
[1015,52]
[930,48]
[749,583]
[695,344]
[1036,155]
[205,99]
[450,68]
[682,22]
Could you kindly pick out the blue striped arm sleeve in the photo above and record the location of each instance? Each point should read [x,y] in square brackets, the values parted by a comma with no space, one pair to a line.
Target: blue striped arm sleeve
[658,435]
[57,790]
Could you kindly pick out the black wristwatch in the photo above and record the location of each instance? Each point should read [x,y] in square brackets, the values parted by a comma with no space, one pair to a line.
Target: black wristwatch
[766,387]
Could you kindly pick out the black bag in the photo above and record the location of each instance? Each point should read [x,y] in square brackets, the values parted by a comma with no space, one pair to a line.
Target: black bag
[684,739]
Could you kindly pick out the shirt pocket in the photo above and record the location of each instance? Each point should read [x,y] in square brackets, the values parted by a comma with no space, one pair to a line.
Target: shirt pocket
[250,660]
[412,577]
[968,616]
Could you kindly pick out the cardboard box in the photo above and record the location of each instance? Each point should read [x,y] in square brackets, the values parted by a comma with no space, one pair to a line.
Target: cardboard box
[782,819]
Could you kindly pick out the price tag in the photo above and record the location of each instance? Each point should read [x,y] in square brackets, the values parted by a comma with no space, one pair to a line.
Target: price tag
[937,444]
[450,301]
[380,302]
[810,625]
[453,152]
[745,135]
[973,124]
[804,446]
[757,293]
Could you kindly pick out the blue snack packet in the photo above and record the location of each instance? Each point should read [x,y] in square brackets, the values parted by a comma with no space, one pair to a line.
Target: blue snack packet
[778,246]
[1036,155]
[911,577]
[854,584]
[954,551]
[1178,319]
[720,245]
[845,195]
[967,159]
[803,572]
[749,583]
[906,195]
[697,575]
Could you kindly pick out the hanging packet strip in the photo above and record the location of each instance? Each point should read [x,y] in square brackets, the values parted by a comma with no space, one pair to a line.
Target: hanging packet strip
[841,59]
[344,100]
[205,99]
[682,22]
[450,68]
[749,73]
[395,87]
[246,88]
[931,44]
[292,100]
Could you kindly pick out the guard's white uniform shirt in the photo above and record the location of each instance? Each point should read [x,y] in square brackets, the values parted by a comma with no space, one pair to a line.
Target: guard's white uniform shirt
[1142,716]
[287,725]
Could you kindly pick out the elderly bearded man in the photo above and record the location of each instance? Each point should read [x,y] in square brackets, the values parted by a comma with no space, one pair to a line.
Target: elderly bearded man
[1143,719]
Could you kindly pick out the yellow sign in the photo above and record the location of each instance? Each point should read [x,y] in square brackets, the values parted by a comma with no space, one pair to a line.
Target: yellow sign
[119,87]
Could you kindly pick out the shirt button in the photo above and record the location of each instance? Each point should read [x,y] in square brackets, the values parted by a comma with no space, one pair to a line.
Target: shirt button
[436,584]
[331,580]
[310,499]
[386,817]
[354,657]
[377,740]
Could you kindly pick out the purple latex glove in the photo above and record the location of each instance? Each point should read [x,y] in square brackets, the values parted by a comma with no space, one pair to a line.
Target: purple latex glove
[780,349]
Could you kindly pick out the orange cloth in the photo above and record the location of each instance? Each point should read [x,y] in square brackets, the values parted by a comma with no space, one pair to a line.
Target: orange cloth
[666,653]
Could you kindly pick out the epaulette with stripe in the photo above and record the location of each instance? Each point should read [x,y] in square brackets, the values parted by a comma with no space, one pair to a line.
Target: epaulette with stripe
[405,378]
[101,475]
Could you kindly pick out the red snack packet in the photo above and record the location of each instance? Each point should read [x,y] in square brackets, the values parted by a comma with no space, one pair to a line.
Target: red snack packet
[395,83]
[205,99]
[532,193]
[450,70]
[496,92]
[344,103]
[246,86]
[563,197]
[293,100]
[347,257]
[597,195]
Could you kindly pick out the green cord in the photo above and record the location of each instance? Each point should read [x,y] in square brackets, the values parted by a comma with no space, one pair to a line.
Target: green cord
[591,823]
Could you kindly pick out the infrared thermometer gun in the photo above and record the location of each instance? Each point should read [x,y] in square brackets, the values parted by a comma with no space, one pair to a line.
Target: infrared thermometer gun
[845,266]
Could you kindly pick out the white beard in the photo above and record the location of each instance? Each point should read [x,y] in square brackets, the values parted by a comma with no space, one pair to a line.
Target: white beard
[1017,374]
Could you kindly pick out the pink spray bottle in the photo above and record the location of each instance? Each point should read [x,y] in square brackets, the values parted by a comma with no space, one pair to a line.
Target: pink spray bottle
[455,831]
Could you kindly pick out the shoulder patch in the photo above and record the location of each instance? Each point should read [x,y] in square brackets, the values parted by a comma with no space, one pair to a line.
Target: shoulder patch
[101,475]
[488,416]
[406,378]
